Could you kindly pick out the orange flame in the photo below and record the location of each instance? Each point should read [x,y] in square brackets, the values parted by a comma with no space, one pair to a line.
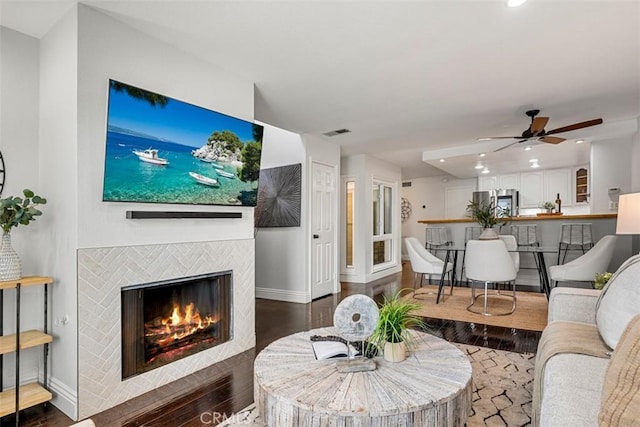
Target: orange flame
[179,326]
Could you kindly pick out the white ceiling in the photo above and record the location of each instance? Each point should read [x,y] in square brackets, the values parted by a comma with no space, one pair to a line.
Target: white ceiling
[406,77]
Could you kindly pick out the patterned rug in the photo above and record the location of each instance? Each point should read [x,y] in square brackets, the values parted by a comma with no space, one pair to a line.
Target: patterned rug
[502,390]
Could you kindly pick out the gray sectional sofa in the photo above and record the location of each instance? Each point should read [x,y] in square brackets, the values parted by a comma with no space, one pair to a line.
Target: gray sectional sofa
[569,383]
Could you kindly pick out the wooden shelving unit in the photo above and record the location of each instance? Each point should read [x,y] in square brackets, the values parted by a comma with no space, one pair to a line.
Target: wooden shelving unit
[581,185]
[31,394]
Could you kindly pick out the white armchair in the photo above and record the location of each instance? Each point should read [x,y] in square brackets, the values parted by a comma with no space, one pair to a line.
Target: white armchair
[584,268]
[423,262]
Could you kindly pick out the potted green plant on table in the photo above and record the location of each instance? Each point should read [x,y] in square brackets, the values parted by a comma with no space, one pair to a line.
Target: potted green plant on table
[15,211]
[488,215]
[395,319]
[548,207]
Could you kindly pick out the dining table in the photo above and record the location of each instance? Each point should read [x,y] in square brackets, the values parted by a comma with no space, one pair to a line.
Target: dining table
[452,254]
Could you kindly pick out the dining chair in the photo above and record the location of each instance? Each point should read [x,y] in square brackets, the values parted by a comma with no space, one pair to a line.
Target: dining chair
[585,267]
[424,262]
[489,261]
[512,246]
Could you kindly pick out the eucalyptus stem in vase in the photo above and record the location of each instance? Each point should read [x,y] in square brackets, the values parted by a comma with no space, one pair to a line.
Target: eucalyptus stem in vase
[15,211]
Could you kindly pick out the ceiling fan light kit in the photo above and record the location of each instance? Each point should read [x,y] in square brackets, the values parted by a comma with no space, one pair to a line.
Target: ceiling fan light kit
[536,130]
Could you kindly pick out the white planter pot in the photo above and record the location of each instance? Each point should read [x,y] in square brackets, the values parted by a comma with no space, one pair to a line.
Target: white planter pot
[10,265]
[395,351]
[489,234]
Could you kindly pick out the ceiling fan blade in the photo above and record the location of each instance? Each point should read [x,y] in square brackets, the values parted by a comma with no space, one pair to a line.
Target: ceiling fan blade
[552,139]
[489,138]
[506,146]
[538,124]
[575,126]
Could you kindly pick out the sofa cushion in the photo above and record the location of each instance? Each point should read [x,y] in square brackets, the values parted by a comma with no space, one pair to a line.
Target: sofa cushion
[572,396]
[619,301]
[621,392]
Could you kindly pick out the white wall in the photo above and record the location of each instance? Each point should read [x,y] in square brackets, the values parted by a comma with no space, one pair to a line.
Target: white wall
[280,251]
[110,49]
[610,168]
[19,115]
[364,170]
[54,98]
[427,198]
[635,160]
[58,165]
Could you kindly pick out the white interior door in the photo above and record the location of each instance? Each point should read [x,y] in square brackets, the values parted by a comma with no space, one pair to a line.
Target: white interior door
[323,243]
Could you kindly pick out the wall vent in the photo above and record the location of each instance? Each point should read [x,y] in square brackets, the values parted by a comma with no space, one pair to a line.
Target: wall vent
[406,184]
[336,132]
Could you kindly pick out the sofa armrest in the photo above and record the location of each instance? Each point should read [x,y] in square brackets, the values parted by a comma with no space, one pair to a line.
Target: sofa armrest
[573,304]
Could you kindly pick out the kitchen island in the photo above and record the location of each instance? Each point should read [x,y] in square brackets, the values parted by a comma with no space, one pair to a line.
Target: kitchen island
[548,232]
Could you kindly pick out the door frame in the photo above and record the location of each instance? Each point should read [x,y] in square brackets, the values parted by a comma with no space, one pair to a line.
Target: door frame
[336,229]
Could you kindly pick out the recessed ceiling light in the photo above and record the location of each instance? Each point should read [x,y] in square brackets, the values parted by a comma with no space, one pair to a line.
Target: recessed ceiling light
[579,141]
[479,166]
[441,160]
[535,165]
[485,170]
[533,161]
[515,3]
[528,148]
[482,154]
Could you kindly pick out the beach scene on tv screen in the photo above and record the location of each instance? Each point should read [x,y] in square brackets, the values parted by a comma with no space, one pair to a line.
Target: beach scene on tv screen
[162,150]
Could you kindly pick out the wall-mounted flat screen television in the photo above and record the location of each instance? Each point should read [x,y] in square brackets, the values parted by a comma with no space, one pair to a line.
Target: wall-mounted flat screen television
[161,150]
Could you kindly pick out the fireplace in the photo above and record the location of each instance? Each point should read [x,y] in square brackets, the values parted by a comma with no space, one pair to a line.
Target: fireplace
[171,319]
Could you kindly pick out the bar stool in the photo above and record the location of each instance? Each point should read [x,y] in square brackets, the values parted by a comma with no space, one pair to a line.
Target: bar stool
[436,237]
[526,235]
[574,236]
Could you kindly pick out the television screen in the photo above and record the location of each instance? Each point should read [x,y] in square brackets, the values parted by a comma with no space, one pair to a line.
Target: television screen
[161,150]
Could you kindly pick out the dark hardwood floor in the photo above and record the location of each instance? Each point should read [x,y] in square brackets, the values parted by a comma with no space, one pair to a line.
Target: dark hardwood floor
[210,395]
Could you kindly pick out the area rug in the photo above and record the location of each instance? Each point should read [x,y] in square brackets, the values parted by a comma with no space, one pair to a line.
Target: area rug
[502,390]
[530,314]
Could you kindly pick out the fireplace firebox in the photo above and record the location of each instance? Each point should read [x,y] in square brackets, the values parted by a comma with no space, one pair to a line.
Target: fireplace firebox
[167,320]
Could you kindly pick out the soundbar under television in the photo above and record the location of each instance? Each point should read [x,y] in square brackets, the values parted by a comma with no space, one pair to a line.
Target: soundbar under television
[161,150]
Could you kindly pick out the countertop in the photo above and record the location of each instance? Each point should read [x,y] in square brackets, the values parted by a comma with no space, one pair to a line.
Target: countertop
[527,218]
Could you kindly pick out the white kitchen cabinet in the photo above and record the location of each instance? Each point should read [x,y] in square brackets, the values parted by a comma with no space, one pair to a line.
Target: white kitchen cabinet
[486,183]
[509,181]
[531,189]
[558,181]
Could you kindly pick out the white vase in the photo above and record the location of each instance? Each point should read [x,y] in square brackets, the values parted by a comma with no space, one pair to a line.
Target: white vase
[489,234]
[10,265]
[395,351]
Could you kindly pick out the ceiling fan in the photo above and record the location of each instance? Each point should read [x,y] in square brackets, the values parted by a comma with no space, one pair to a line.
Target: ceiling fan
[536,130]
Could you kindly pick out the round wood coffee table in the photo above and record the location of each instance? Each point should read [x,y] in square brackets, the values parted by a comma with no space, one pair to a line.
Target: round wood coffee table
[431,388]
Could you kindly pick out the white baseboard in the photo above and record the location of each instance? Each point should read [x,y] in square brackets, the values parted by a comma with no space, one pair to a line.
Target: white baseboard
[64,398]
[282,295]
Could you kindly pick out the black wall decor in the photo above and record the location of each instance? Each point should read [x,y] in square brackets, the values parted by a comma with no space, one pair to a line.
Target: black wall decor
[279,195]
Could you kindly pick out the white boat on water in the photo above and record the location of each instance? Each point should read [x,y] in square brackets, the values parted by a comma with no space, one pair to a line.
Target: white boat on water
[225,173]
[211,162]
[204,179]
[150,155]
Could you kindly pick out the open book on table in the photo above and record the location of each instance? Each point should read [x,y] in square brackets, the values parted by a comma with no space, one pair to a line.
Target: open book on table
[331,350]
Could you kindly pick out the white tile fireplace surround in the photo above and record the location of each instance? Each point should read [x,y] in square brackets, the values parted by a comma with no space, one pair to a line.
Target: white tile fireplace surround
[102,272]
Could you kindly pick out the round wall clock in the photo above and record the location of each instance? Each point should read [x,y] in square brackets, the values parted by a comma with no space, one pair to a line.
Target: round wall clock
[405,211]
